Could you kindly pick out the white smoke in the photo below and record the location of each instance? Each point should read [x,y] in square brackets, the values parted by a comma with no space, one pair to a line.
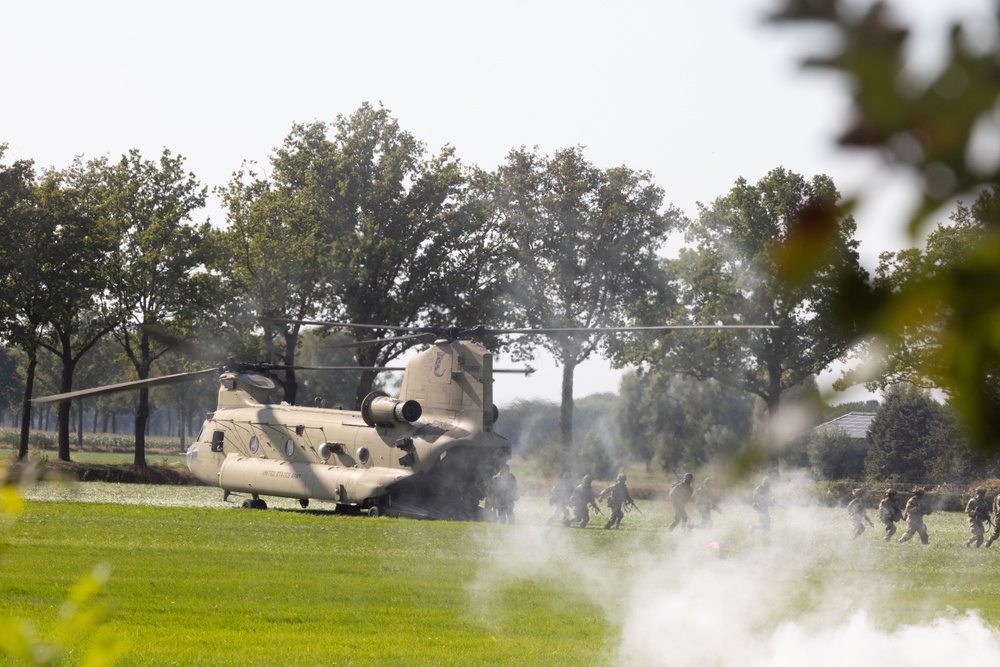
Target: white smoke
[804,595]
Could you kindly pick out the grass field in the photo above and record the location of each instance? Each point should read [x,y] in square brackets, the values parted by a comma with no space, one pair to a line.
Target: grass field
[195,581]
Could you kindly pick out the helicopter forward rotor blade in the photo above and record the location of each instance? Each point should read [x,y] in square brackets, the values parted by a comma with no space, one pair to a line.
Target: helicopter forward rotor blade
[664,327]
[126,386]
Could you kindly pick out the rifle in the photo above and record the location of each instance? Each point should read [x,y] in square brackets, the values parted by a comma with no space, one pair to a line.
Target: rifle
[631,503]
[597,509]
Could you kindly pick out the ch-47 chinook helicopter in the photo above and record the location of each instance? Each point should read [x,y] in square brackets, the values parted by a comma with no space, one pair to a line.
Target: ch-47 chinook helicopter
[430,452]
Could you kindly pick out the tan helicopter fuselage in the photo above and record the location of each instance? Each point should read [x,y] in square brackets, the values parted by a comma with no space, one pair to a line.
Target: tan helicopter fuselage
[430,452]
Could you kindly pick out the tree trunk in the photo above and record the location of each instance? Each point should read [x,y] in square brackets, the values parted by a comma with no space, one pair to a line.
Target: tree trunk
[29,382]
[141,418]
[566,415]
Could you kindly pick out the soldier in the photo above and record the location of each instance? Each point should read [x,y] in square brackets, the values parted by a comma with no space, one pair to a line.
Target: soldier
[680,496]
[705,500]
[583,496]
[914,512]
[858,512]
[889,513]
[504,494]
[761,501]
[617,495]
[978,511]
[995,533]
[559,499]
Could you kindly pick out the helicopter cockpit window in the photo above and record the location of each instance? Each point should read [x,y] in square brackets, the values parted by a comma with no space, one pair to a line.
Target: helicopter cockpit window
[217,439]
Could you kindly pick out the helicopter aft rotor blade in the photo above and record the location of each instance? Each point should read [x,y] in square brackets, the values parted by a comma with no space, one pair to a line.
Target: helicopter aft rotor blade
[126,386]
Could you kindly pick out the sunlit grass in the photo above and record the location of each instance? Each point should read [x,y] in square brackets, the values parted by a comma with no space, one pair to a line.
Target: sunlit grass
[202,582]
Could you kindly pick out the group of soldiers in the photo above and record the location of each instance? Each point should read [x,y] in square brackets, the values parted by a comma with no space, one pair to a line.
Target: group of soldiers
[572,505]
[978,510]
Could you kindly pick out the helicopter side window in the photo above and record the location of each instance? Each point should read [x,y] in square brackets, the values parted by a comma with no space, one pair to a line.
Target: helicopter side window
[217,439]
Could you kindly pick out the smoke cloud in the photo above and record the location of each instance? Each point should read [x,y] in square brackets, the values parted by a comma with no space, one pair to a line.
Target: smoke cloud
[804,595]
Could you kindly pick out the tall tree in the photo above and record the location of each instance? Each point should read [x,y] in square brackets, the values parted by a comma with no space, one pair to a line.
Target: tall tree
[901,439]
[730,274]
[23,305]
[681,422]
[277,252]
[586,242]
[73,273]
[415,243]
[932,123]
[913,350]
[157,273]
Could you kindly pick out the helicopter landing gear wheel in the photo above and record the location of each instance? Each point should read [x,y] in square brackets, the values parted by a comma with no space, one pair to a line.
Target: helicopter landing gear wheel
[256,503]
[374,511]
[303,503]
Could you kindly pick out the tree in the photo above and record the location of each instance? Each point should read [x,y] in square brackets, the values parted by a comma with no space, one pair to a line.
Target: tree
[681,422]
[157,273]
[731,275]
[913,353]
[73,274]
[901,439]
[834,455]
[415,241]
[51,265]
[586,241]
[931,125]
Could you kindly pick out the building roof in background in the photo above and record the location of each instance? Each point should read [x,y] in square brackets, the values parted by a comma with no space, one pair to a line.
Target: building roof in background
[855,424]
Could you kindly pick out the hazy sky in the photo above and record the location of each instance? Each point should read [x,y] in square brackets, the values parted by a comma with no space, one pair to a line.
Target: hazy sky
[699,94]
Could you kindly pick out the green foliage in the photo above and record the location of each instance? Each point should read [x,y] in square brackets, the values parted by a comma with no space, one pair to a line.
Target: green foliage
[681,422]
[931,124]
[901,439]
[80,626]
[585,243]
[731,274]
[835,455]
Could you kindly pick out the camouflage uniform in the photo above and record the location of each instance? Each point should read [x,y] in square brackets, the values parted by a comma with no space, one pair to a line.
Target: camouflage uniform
[618,495]
[978,510]
[505,494]
[583,496]
[761,501]
[858,512]
[889,513]
[996,521]
[680,496]
[914,512]
[705,500]
[559,499]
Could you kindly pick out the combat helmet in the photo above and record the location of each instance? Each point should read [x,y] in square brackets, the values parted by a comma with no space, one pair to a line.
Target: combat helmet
[622,477]
[587,479]
[688,477]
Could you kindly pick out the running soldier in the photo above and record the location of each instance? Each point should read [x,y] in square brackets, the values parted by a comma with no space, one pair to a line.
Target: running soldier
[761,502]
[889,513]
[680,496]
[995,533]
[505,494]
[858,512]
[978,511]
[617,495]
[582,498]
[559,497]
[914,512]
[706,499]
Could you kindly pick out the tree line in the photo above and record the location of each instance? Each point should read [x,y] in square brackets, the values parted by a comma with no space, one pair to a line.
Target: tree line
[354,221]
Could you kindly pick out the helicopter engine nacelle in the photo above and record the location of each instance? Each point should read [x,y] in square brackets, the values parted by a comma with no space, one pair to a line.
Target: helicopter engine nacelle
[380,410]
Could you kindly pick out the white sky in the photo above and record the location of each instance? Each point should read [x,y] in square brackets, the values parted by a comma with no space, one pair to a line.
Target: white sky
[697,93]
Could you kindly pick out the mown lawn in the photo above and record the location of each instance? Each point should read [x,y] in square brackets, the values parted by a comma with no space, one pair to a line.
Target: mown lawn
[215,585]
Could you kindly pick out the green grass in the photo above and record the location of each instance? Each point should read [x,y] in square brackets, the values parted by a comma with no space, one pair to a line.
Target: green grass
[208,584]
